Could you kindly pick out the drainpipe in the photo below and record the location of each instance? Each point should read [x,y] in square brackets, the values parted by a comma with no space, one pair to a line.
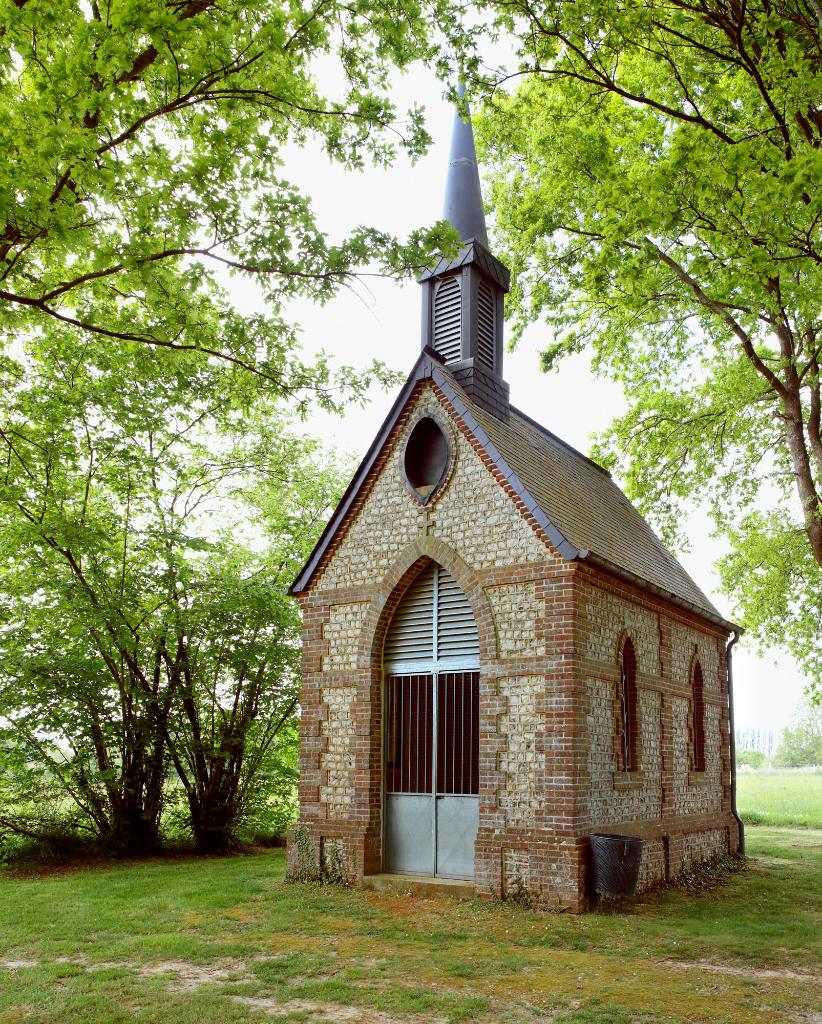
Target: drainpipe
[729,662]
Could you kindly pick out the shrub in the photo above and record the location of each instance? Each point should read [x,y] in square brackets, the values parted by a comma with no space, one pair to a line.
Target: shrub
[750,759]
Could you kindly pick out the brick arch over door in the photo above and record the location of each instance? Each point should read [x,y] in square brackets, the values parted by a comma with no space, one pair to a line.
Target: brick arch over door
[397,580]
[377,620]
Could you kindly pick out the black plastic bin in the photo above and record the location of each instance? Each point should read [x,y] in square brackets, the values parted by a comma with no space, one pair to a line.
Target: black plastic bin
[615,861]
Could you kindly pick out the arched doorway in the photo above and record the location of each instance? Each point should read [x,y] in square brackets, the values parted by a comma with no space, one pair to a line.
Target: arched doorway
[431,673]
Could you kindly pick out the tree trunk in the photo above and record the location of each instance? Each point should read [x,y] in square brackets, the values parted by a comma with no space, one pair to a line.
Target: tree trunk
[133,830]
[212,821]
[803,474]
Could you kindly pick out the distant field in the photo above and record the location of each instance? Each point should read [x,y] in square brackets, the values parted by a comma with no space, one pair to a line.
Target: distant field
[781,797]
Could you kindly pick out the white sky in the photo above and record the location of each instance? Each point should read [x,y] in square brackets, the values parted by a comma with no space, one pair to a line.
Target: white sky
[382,319]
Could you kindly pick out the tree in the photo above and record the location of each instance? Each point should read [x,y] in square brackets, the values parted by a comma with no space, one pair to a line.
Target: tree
[801,743]
[750,758]
[144,141]
[657,186]
[147,536]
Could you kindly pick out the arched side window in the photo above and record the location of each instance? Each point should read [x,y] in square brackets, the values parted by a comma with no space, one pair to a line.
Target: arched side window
[628,732]
[697,719]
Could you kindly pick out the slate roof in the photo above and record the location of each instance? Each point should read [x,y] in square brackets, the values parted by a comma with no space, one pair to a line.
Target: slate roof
[583,512]
[473,251]
[585,505]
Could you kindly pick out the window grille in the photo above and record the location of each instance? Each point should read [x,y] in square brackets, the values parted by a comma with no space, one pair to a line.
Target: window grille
[412,718]
[409,704]
[458,733]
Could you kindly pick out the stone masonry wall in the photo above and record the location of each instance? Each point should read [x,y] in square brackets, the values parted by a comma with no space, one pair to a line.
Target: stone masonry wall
[519,590]
[610,801]
[703,846]
[608,618]
[696,792]
[675,809]
[521,764]
[342,633]
[337,760]
[473,514]
[519,617]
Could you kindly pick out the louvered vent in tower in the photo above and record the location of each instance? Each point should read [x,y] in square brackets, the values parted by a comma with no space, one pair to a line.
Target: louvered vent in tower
[448,319]
[433,602]
[485,326]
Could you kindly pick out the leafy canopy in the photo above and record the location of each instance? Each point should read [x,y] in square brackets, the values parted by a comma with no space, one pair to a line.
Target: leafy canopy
[657,177]
[144,142]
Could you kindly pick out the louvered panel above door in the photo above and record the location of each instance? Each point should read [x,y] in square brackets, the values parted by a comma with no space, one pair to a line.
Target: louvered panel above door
[433,602]
[411,634]
[448,319]
[456,628]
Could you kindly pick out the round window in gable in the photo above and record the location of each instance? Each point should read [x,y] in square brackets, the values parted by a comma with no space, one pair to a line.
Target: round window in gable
[426,460]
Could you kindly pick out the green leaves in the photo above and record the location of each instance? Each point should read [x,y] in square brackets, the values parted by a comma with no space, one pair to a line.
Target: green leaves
[657,188]
[152,515]
[154,503]
[144,144]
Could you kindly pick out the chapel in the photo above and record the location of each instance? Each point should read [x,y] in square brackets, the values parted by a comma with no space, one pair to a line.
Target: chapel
[500,657]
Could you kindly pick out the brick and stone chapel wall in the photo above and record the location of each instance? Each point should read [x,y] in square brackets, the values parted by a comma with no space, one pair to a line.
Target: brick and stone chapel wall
[522,597]
[684,816]
[549,634]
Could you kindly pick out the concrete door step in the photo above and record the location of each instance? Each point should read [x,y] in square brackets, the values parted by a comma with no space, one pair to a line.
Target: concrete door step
[420,885]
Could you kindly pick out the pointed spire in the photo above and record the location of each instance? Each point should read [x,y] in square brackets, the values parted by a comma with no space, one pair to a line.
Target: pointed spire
[463,196]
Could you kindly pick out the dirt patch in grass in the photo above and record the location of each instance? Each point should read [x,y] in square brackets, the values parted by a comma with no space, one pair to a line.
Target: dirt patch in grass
[754,973]
[334,1012]
[188,977]
[183,976]
[13,1016]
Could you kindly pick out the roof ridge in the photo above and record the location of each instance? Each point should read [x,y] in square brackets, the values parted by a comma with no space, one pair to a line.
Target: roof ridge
[555,437]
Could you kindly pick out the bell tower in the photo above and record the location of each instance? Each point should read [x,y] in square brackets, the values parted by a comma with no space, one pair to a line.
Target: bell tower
[462,299]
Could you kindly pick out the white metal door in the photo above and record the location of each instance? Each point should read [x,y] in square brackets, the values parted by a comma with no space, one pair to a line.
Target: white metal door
[431,656]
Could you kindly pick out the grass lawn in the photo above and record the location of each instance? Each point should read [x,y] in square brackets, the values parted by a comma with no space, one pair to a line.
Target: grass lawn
[780,797]
[225,940]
